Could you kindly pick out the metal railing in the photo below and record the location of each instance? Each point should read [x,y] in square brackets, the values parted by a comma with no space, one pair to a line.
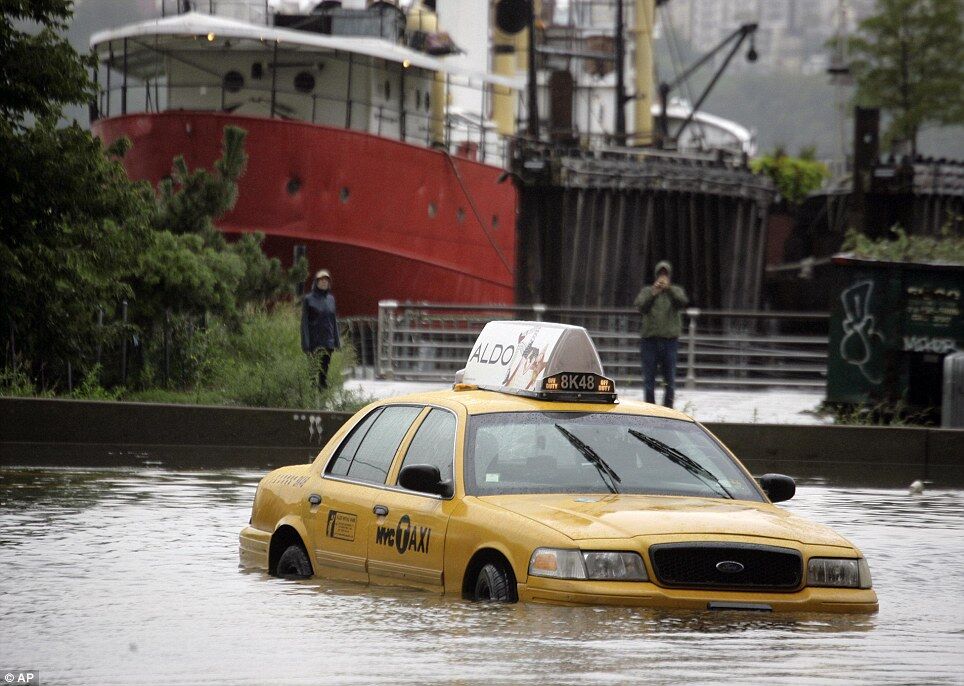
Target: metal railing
[430,342]
[362,334]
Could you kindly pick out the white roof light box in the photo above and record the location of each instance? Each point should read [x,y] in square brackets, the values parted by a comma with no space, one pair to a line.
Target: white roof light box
[538,359]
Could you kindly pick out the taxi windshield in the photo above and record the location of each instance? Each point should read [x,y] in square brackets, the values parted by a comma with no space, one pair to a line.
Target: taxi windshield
[590,452]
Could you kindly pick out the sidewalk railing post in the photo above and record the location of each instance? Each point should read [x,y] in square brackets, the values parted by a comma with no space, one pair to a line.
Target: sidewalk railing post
[124,343]
[167,345]
[100,335]
[387,310]
[692,313]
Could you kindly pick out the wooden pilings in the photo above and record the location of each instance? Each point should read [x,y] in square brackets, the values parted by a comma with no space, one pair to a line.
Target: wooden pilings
[593,236]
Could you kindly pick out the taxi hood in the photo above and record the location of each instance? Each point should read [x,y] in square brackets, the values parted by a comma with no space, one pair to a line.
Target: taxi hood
[626,515]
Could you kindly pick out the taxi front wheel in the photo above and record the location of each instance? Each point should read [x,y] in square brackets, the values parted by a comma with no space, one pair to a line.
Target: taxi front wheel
[294,563]
[494,583]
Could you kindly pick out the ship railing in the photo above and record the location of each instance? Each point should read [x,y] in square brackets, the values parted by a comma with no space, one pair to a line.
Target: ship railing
[718,348]
[460,135]
[259,12]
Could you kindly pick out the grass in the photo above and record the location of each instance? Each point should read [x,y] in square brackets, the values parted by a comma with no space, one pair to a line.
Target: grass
[884,413]
[258,363]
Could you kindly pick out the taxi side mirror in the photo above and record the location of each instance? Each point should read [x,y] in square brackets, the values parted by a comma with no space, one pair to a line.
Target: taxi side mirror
[777,487]
[424,478]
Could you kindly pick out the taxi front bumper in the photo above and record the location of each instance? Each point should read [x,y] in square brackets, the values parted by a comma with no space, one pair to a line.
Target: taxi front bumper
[646,594]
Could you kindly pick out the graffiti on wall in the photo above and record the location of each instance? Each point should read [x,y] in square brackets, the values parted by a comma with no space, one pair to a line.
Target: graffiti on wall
[316,429]
[862,343]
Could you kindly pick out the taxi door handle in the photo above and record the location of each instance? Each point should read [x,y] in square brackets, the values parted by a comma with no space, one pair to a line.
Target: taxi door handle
[380,510]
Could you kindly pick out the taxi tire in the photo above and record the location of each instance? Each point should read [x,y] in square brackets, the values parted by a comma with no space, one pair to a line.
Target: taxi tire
[493,584]
[294,563]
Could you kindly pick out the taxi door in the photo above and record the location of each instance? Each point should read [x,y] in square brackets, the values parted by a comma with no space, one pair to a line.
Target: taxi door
[407,545]
[339,520]
[341,499]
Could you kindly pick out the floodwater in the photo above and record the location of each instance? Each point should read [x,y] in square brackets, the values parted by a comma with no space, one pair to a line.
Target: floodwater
[131,576]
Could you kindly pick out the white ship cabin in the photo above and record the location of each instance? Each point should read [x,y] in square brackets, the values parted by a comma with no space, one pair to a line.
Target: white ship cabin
[376,67]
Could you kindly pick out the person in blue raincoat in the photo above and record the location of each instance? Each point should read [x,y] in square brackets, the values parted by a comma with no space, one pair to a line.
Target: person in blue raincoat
[319,325]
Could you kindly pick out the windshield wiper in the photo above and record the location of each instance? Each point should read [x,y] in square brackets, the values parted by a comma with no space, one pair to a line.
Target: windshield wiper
[687,463]
[600,464]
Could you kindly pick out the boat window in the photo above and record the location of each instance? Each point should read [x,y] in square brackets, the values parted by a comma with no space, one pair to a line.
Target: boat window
[434,443]
[233,81]
[304,82]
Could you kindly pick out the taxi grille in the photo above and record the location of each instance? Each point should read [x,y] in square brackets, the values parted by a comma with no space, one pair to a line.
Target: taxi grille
[727,566]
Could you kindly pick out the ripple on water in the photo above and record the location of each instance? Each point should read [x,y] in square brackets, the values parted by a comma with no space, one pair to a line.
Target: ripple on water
[131,576]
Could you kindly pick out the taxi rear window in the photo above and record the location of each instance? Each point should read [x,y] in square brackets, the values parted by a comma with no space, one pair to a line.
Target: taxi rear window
[369,450]
[586,452]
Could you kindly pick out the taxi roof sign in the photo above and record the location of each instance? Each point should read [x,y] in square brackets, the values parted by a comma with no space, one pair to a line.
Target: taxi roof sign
[538,359]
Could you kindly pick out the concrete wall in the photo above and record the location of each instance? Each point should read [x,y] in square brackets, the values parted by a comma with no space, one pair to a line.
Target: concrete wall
[83,433]
[855,455]
[75,432]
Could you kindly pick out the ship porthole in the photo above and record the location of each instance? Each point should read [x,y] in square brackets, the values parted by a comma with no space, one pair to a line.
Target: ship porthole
[343,196]
[432,210]
[460,215]
[304,82]
[233,81]
[294,185]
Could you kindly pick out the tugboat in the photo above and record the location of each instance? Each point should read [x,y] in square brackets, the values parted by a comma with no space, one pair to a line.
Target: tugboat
[360,155]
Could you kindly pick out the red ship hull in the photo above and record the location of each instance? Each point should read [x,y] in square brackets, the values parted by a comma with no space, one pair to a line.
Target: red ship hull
[390,220]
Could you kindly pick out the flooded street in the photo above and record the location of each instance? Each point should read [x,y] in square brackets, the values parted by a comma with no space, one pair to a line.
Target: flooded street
[131,576]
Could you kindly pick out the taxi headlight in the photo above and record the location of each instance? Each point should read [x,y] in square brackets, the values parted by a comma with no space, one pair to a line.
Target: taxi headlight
[575,564]
[838,572]
[615,566]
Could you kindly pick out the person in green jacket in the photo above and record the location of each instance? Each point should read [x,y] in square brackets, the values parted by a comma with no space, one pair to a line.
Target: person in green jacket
[662,308]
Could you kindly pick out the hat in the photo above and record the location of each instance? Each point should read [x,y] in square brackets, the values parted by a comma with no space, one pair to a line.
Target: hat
[323,274]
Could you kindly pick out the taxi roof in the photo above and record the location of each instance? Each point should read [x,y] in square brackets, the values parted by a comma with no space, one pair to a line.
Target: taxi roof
[478,401]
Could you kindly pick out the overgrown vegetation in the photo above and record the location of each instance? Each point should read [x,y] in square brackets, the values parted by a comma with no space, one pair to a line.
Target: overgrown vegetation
[947,248]
[794,177]
[89,259]
[257,363]
[883,413]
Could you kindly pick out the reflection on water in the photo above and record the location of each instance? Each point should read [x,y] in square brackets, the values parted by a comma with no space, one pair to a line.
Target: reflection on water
[131,576]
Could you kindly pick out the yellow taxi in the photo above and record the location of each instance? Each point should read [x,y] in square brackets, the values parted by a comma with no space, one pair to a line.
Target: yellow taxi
[530,480]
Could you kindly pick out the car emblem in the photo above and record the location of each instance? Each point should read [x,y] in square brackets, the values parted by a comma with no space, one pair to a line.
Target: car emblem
[730,567]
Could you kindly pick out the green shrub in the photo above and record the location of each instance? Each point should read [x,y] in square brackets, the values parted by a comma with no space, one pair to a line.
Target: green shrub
[90,388]
[15,382]
[947,248]
[794,177]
